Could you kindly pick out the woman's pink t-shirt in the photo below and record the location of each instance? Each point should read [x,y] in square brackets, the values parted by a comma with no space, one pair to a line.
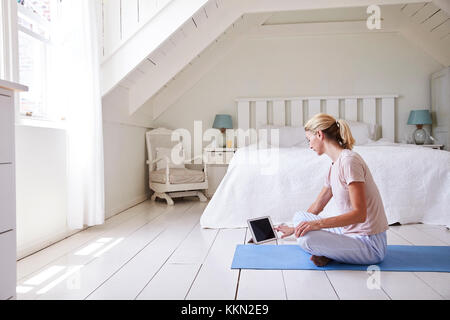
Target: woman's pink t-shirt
[348,168]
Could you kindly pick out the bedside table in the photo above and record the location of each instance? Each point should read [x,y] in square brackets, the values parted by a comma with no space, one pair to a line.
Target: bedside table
[218,155]
[433,146]
[217,160]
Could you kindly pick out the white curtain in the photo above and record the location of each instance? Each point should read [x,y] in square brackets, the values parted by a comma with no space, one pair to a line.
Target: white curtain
[75,88]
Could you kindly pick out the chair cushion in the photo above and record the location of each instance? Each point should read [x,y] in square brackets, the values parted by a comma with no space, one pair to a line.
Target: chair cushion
[178,176]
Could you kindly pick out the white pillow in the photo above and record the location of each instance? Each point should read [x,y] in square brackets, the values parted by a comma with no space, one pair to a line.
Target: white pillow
[362,132]
[288,136]
[174,154]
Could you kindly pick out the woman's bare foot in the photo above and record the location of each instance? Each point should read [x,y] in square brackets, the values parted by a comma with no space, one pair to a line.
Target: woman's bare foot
[287,231]
[320,261]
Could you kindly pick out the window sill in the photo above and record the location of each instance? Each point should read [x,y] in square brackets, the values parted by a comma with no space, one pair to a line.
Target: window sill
[40,123]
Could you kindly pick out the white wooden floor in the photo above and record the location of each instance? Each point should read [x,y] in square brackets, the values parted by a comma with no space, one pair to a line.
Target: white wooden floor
[153,251]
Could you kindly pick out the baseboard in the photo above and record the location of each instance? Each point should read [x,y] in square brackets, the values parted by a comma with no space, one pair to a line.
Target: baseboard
[111,213]
[24,252]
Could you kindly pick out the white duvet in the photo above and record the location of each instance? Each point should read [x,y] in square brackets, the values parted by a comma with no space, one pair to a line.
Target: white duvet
[414,183]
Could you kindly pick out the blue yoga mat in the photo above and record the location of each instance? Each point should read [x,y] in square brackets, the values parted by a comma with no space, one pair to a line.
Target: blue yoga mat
[292,257]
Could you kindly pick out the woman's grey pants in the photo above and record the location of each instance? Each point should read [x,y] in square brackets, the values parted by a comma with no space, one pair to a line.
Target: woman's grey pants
[333,244]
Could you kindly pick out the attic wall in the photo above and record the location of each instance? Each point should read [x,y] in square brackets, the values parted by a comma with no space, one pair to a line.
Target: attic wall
[310,65]
[126,174]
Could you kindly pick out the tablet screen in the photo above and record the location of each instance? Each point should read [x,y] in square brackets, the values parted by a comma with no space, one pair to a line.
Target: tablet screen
[262,229]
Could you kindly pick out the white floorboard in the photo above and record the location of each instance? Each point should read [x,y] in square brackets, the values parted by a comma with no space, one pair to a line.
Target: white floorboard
[261,284]
[439,232]
[155,251]
[95,270]
[132,277]
[175,278]
[353,285]
[76,256]
[393,283]
[308,285]
[172,282]
[421,285]
[195,247]
[216,280]
[40,259]
[394,239]
[439,281]
[417,237]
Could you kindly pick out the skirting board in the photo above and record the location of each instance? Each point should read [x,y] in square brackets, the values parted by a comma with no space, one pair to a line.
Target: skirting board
[42,244]
[132,203]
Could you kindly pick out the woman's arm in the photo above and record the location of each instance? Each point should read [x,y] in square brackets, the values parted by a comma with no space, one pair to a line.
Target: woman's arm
[357,215]
[322,199]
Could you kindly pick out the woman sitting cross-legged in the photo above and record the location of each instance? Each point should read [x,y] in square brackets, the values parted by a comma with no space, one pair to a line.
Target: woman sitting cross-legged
[358,234]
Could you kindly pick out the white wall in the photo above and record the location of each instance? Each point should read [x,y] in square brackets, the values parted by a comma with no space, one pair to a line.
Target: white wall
[41,174]
[126,174]
[310,65]
[41,187]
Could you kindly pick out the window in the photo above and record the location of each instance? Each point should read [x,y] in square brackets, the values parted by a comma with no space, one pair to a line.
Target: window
[34,20]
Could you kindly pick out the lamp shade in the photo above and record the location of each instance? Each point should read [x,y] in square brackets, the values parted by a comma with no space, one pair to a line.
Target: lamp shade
[223,121]
[419,117]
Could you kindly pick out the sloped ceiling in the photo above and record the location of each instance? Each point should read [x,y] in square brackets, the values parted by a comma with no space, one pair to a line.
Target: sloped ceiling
[427,25]
[168,72]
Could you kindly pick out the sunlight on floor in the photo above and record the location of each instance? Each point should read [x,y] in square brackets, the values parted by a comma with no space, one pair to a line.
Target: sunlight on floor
[52,284]
[91,251]
[44,276]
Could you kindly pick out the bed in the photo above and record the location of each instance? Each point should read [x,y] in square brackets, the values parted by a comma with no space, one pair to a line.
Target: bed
[261,180]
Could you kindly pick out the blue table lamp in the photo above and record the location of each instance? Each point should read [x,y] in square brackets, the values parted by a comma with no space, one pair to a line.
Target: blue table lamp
[419,118]
[223,122]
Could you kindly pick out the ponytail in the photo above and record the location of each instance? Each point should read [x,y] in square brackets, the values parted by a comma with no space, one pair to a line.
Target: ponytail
[346,135]
[337,130]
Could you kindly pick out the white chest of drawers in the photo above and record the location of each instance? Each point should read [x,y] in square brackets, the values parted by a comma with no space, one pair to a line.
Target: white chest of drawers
[7,190]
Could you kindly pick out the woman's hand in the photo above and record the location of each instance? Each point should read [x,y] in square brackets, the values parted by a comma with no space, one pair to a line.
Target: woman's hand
[287,231]
[306,226]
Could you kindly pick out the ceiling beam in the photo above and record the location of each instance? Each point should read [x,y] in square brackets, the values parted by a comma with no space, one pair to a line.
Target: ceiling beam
[317,28]
[254,6]
[443,5]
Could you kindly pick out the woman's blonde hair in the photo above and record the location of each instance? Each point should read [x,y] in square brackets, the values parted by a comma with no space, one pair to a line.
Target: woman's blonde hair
[337,130]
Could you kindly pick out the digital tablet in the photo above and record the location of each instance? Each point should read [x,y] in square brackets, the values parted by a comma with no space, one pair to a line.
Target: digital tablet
[261,229]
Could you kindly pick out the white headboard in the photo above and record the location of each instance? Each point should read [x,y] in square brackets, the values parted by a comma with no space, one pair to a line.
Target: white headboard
[295,111]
